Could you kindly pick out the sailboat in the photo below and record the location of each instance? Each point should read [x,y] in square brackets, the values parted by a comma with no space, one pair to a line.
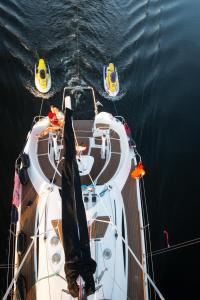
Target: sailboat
[105,156]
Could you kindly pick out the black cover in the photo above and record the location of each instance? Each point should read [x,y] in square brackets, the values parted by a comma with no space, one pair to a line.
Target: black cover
[23,176]
[74,225]
[22,161]
[21,165]
[21,243]
[21,288]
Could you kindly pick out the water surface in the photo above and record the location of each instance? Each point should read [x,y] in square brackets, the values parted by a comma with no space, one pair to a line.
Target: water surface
[155,45]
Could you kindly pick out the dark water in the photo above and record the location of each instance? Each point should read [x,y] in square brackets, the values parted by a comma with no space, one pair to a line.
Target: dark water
[156,46]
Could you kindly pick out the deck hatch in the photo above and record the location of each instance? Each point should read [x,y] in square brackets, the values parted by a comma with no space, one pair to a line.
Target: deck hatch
[99,227]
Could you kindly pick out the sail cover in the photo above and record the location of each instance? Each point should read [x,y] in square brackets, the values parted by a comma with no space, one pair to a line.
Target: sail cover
[78,259]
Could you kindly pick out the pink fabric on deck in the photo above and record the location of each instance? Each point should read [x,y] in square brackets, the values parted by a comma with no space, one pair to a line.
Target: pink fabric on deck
[17,191]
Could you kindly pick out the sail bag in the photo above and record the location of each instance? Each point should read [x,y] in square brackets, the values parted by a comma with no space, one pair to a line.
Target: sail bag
[76,244]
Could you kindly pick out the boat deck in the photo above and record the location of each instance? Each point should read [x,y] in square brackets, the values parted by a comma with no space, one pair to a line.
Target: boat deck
[27,225]
[136,289]
[30,199]
[83,130]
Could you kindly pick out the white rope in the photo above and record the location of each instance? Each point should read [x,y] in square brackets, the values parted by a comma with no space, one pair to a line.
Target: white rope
[148,230]
[9,245]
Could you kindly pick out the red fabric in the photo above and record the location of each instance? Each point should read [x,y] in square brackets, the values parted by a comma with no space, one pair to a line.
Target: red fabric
[16,200]
[51,115]
[166,237]
[127,129]
[52,118]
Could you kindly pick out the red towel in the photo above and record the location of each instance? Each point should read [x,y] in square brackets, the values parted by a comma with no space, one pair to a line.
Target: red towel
[16,200]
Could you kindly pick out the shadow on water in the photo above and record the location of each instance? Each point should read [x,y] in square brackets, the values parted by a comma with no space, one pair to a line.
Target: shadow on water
[155,45]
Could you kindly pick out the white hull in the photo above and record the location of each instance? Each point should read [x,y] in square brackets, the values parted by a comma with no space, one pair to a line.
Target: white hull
[109,250]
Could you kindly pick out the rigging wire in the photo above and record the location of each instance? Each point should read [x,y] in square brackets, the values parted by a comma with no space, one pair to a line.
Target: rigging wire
[41,106]
[13,251]
[145,226]
[18,270]
[148,228]
[129,248]
[9,288]
[11,240]
[6,266]
[115,108]
[9,248]
[176,246]
[77,44]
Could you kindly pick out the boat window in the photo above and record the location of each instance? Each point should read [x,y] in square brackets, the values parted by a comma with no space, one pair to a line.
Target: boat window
[42,74]
[113,76]
[86,199]
[123,244]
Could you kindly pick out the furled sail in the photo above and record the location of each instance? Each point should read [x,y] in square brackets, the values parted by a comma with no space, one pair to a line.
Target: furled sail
[78,259]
